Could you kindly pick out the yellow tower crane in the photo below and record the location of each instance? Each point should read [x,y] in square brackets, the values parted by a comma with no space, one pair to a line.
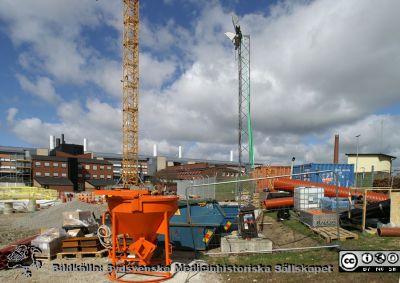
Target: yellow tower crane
[130,93]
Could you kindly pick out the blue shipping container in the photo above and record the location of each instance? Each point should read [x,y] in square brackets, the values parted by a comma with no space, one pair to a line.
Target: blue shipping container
[345,172]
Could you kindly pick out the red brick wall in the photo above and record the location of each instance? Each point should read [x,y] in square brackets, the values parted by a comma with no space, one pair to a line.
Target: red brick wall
[51,169]
[6,163]
[63,154]
[62,188]
[96,171]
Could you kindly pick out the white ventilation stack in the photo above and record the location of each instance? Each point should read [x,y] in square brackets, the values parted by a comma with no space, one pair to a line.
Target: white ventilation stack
[231,157]
[51,142]
[155,150]
[85,144]
[180,151]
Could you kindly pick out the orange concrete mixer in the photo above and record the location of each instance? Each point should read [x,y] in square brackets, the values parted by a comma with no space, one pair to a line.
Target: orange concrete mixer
[137,218]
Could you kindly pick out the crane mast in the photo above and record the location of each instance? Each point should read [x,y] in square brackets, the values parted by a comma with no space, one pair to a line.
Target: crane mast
[130,93]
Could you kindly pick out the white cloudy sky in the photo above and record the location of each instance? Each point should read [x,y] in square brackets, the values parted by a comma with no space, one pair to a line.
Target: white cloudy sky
[317,68]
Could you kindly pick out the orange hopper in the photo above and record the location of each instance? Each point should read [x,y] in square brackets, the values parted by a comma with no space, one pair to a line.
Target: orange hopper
[138,217]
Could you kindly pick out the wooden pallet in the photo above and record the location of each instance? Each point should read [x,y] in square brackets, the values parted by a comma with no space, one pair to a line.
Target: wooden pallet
[81,244]
[49,257]
[80,255]
[329,234]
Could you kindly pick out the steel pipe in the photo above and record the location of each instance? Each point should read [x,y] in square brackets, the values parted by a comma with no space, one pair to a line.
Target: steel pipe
[389,232]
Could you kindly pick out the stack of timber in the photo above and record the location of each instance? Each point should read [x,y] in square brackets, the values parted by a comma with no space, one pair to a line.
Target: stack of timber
[81,246]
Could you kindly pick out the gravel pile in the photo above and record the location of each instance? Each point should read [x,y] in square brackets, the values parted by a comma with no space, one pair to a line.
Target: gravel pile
[53,216]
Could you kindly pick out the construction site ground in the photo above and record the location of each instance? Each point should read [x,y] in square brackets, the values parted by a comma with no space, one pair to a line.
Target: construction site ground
[286,234]
[16,226]
[293,234]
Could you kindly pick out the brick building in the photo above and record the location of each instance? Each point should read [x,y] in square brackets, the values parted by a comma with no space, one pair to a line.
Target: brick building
[68,168]
[76,170]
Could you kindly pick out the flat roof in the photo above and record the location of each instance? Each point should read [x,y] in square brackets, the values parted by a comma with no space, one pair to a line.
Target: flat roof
[13,149]
[48,158]
[169,158]
[371,154]
[100,182]
[94,161]
[55,181]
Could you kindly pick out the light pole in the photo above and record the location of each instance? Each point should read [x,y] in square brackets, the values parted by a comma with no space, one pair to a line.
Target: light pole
[356,171]
[291,167]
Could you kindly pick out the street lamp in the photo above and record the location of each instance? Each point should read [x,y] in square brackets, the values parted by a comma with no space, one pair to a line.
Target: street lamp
[358,140]
[291,167]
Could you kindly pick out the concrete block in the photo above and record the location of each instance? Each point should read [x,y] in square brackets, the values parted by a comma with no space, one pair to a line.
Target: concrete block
[234,243]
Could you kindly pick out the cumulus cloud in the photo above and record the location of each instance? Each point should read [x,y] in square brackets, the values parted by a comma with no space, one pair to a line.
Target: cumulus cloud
[153,72]
[52,34]
[11,112]
[43,87]
[97,121]
[318,68]
[310,77]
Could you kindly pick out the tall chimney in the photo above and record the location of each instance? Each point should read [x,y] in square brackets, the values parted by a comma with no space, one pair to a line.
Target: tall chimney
[336,150]
[62,139]
[231,157]
[85,144]
[51,143]
[180,152]
[155,150]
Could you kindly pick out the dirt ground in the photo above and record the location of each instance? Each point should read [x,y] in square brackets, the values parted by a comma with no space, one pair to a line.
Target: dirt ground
[280,234]
[46,274]
[284,237]
[8,234]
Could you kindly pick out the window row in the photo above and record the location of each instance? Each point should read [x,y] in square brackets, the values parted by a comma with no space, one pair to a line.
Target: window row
[88,176]
[94,167]
[55,174]
[226,174]
[47,164]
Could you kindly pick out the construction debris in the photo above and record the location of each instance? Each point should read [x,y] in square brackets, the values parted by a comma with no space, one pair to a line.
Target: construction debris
[52,217]
[49,242]
[318,217]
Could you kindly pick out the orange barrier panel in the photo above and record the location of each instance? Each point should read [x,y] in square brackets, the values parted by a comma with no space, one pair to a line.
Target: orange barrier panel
[141,217]
[285,184]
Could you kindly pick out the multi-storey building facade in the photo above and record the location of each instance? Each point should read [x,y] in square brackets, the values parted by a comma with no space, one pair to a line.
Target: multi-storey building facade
[49,166]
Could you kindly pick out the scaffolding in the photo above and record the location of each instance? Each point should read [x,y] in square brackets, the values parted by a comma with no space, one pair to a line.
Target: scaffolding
[17,169]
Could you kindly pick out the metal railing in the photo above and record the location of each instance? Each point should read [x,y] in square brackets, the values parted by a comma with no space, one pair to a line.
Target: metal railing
[337,245]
